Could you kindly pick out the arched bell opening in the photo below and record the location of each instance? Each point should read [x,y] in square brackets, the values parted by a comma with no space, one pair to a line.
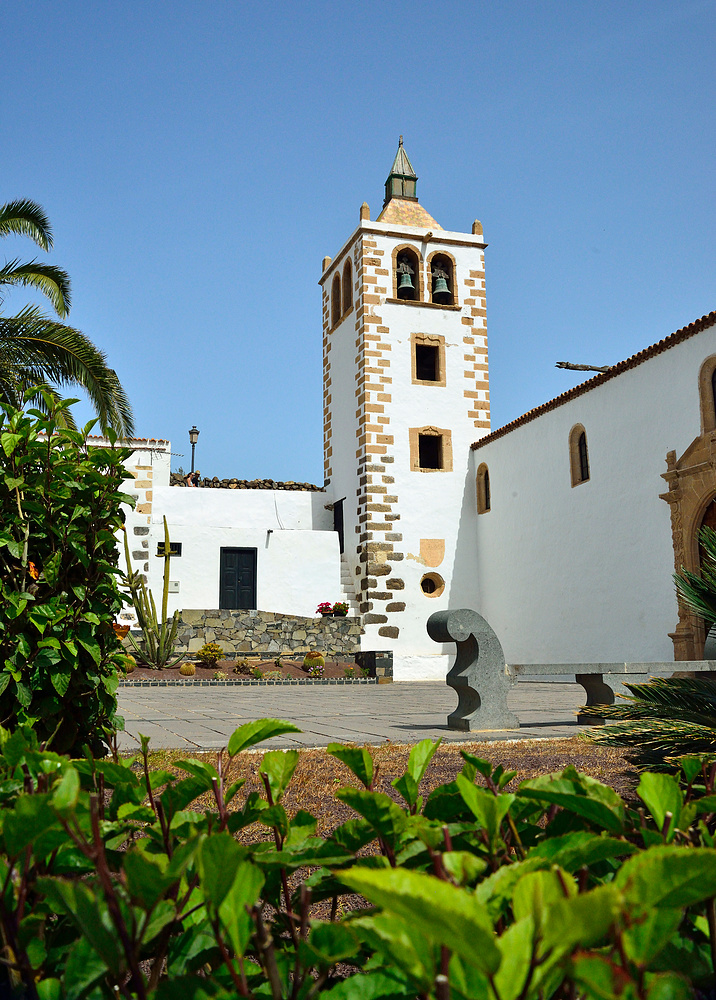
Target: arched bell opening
[442,279]
[407,273]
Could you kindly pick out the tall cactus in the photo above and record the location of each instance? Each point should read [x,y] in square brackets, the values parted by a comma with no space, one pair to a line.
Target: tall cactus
[159,636]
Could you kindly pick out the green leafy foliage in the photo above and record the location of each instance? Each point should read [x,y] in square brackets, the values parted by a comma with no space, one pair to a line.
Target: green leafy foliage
[116,880]
[59,512]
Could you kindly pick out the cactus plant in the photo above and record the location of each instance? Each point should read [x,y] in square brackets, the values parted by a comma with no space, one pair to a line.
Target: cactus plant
[159,636]
[129,664]
[209,653]
[187,669]
[313,663]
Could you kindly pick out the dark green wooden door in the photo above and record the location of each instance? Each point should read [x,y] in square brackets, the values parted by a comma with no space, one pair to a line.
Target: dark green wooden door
[237,580]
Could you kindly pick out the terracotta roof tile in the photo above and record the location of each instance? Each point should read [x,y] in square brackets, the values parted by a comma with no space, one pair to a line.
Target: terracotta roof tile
[636,359]
[404,212]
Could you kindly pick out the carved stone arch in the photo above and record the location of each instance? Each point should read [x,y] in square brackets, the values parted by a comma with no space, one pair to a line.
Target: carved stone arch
[417,264]
[707,394]
[447,261]
[692,492]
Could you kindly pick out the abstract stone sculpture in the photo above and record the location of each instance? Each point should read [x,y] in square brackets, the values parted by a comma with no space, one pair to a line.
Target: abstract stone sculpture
[478,675]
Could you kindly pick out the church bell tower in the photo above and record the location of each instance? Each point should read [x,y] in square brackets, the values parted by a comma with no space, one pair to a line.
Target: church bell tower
[405,394]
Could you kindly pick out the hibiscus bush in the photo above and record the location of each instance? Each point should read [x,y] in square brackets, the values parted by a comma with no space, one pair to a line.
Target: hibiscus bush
[117,880]
[59,512]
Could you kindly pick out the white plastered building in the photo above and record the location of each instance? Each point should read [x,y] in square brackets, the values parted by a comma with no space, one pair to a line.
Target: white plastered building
[562,528]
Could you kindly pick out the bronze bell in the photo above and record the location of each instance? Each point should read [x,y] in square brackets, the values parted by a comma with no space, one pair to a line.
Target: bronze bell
[441,292]
[406,288]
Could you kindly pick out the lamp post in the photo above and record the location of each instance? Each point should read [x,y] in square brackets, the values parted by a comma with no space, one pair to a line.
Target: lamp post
[193,437]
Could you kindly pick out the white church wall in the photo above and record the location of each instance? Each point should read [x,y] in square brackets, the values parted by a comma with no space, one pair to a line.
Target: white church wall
[583,573]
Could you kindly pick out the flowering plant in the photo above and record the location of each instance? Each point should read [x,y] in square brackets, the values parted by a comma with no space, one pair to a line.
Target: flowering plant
[340,608]
[325,608]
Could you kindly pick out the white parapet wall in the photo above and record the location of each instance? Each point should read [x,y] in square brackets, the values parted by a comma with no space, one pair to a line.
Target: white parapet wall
[297,557]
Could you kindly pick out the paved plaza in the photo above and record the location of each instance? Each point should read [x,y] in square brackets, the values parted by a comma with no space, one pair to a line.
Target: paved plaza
[203,718]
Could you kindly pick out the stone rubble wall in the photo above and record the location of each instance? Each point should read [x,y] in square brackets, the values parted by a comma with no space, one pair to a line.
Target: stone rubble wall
[245,484]
[249,632]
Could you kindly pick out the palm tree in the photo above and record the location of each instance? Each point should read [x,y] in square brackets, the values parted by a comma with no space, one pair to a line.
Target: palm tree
[36,350]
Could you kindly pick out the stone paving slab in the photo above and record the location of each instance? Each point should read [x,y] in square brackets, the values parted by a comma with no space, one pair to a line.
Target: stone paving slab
[203,719]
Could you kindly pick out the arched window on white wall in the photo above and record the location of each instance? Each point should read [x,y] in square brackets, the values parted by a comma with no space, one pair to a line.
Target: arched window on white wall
[484,501]
[578,455]
[347,286]
[336,300]
[707,395]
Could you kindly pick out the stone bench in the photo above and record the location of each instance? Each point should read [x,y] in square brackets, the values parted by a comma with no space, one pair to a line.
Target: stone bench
[482,679]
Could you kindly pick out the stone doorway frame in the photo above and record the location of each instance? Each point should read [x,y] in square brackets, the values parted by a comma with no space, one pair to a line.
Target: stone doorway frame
[691,482]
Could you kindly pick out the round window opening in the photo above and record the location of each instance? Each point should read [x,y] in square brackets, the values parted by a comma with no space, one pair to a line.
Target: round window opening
[432,585]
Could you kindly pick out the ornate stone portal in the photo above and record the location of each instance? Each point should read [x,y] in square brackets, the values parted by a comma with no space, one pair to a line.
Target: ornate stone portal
[692,488]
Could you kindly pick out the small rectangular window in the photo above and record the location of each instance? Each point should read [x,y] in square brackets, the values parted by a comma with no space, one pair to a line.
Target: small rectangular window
[174,548]
[430,451]
[427,363]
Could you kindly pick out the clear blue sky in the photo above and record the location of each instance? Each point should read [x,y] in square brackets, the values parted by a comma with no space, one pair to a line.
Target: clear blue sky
[198,159]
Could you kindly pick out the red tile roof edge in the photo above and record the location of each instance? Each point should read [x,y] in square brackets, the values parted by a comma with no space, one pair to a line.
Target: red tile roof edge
[578,390]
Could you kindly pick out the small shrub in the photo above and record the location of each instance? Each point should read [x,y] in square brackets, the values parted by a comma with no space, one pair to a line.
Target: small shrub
[273,675]
[257,672]
[209,653]
[349,672]
[60,506]
[242,666]
[277,661]
[187,669]
[221,675]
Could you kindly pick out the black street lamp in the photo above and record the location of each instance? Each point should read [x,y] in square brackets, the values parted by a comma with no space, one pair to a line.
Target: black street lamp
[193,437]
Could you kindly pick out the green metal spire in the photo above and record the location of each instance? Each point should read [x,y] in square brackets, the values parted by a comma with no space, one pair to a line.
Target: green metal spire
[402,179]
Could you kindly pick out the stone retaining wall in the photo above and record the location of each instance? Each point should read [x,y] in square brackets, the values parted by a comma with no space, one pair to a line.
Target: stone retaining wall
[248,632]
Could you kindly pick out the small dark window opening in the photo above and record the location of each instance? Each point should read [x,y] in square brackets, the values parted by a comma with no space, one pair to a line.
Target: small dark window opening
[486,489]
[583,458]
[407,276]
[174,548]
[428,585]
[430,451]
[427,363]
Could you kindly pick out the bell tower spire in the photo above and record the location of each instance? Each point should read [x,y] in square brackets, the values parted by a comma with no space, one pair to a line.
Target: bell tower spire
[402,179]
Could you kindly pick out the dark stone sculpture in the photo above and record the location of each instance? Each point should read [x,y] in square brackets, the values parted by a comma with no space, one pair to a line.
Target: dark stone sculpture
[479,674]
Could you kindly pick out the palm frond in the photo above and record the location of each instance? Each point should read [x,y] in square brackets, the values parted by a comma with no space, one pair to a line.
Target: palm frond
[698,590]
[52,281]
[668,716]
[34,344]
[26,218]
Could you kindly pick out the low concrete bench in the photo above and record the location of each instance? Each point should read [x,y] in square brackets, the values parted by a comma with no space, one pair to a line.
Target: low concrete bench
[482,679]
